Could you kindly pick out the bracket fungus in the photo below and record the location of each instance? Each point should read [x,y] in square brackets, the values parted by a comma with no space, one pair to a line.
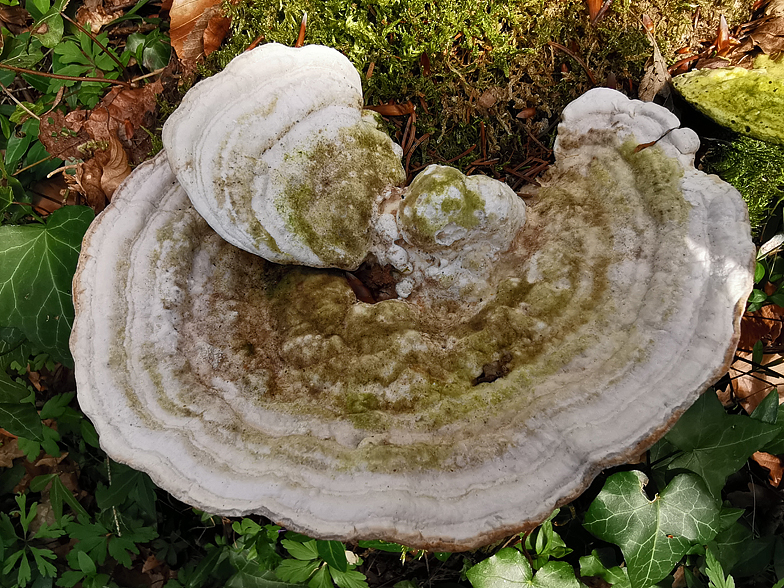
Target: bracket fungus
[530,346]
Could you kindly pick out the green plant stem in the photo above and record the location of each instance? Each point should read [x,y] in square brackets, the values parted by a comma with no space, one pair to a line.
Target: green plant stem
[60,77]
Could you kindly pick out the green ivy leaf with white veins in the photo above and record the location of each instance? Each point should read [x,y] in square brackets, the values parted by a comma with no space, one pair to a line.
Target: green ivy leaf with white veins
[510,569]
[653,534]
[37,264]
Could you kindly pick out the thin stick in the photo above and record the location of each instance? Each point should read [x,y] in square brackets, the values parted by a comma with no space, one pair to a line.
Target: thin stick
[149,75]
[22,106]
[97,42]
[60,77]
[576,57]
[416,144]
[33,165]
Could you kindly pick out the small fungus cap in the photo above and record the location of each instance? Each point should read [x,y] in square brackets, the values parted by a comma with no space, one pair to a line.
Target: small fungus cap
[275,153]
[244,386]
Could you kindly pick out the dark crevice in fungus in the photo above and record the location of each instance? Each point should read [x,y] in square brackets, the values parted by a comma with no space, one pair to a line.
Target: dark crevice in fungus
[494,370]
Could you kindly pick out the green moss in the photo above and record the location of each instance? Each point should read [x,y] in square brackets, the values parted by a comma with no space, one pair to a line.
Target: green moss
[473,48]
[748,101]
[755,168]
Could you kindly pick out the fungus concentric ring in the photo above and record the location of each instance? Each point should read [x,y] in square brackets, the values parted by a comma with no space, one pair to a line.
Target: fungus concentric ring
[244,386]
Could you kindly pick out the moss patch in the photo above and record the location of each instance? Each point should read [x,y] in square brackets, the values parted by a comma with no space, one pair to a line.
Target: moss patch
[755,168]
[748,101]
[445,56]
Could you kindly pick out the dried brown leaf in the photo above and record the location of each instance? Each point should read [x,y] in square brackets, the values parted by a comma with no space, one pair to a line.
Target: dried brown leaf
[9,452]
[114,166]
[393,109]
[88,178]
[656,78]
[762,325]
[216,31]
[189,21]
[94,13]
[751,388]
[771,463]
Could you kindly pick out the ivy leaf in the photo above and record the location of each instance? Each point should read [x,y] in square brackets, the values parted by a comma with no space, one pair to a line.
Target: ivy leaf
[714,443]
[38,263]
[506,569]
[653,534]
[21,420]
[11,392]
[334,553]
[510,569]
[592,566]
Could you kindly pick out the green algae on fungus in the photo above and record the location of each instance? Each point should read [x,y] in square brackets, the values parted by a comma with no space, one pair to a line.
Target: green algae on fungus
[331,188]
[748,101]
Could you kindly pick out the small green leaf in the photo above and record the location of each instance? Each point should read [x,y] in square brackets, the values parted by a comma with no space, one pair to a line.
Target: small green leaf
[715,573]
[383,546]
[759,272]
[653,535]
[757,296]
[296,570]
[303,551]
[756,352]
[86,564]
[334,553]
[506,569]
[592,566]
[249,576]
[350,579]
[321,579]
[59,494]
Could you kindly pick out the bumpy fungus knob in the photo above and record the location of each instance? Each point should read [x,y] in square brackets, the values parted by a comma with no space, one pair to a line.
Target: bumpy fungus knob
[446,211]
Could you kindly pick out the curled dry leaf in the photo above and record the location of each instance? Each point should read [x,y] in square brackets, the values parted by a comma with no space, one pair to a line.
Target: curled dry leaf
[99,177]
[773,464]
[9,452]
[197,28]
[95,13]
[656,78]
[762,325]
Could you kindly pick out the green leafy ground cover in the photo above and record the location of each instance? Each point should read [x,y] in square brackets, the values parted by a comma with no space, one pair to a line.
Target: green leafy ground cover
[70,516]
